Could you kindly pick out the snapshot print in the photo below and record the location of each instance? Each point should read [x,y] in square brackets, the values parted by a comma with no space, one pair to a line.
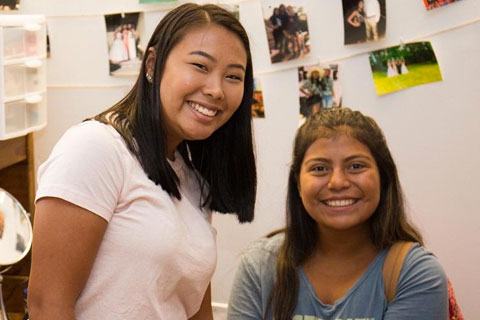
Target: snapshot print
[432,4]
[9,5]
[319,88]
[287,30]
[258,110]
[123,37]
[364,20]
[404,66]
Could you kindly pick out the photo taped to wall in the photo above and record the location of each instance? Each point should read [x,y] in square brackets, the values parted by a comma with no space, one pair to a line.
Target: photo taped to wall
[404,66]
[287,30]
[123,34]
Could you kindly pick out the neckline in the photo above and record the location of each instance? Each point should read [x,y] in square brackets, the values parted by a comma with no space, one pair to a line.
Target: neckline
[178,162]
[379,258]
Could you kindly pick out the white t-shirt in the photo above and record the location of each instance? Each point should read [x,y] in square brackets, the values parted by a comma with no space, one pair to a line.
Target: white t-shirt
[158,254]
[372,10]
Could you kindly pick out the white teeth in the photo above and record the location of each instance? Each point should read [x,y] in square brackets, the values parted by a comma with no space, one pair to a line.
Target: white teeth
[202,109]
[339,203]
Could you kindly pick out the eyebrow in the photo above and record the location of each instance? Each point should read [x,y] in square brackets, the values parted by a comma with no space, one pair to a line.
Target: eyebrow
[352,157]
[213,59]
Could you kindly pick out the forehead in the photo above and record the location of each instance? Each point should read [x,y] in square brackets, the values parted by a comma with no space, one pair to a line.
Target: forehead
[337,146]
[213,39]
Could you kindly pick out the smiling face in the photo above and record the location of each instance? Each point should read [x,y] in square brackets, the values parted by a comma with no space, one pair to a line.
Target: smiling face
[202,84]
[339,183]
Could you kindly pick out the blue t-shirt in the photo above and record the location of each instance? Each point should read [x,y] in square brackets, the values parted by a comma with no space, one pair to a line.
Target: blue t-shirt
[421,290]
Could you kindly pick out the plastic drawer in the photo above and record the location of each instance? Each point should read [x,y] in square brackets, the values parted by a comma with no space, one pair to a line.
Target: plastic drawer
[24,41]
[24,78]
[15,116]
[13,43]
[26,114]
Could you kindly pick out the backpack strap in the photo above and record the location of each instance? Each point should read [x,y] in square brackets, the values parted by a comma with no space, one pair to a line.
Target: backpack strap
[392,267]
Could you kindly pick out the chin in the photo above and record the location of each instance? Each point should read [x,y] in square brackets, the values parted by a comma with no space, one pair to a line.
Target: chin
[200,136]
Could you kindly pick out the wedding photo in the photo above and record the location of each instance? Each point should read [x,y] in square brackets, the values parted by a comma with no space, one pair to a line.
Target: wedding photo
[404,66]
[122,36]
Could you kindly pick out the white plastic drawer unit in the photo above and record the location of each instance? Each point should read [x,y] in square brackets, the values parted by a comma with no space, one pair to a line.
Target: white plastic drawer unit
[23,106]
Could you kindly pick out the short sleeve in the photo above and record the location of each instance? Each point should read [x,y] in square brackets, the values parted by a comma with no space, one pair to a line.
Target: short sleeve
[245,297]
[254,280]
[421,290]
[306,84]
[85,168]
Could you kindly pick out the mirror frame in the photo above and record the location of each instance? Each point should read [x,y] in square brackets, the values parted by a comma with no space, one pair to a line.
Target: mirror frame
[28,244]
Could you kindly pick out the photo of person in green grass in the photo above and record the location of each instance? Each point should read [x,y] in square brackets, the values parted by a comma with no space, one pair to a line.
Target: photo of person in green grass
[404,66]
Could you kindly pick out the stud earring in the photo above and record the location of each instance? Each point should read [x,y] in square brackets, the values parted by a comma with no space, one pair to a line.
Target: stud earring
[149,77]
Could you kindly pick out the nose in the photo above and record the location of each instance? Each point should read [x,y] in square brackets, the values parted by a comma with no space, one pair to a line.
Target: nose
[338,180]
[213,88]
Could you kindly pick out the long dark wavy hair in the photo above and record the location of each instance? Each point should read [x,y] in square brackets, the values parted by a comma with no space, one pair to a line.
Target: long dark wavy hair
[225,160]
[387,224]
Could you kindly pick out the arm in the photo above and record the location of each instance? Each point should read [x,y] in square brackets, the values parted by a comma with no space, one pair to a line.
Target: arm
[66,242]
[305,88]
[421,290]
[351,19]
[205,312]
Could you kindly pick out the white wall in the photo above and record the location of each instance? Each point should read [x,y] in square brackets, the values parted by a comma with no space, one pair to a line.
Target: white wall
[432,129]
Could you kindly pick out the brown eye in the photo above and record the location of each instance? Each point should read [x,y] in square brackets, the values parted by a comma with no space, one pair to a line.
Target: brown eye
[357,166]
[200,66]
[234,77]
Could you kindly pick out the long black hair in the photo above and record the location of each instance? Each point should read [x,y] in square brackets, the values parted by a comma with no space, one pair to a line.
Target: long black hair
[226,159]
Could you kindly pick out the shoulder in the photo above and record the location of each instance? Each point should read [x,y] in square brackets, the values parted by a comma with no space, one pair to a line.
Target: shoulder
[262,253]
[419,256]
[90,140]
[91,133]
[89,151]
[421,266]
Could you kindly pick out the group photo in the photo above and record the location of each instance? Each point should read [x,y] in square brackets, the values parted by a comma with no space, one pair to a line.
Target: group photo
[123,35]
[319,89]
[239,160]
[287,31]
[404,66]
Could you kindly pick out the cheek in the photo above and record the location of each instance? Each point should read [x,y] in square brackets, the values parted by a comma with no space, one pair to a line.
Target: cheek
[308,191]
[375,190]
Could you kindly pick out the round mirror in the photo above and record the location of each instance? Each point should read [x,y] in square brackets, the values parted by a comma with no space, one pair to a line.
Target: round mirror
[15,230]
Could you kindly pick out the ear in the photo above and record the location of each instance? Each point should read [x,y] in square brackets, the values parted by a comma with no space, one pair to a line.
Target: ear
[150,64]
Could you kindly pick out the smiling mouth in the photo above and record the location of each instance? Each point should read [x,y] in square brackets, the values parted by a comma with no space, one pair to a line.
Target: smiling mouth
[203,110]
[339,203]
